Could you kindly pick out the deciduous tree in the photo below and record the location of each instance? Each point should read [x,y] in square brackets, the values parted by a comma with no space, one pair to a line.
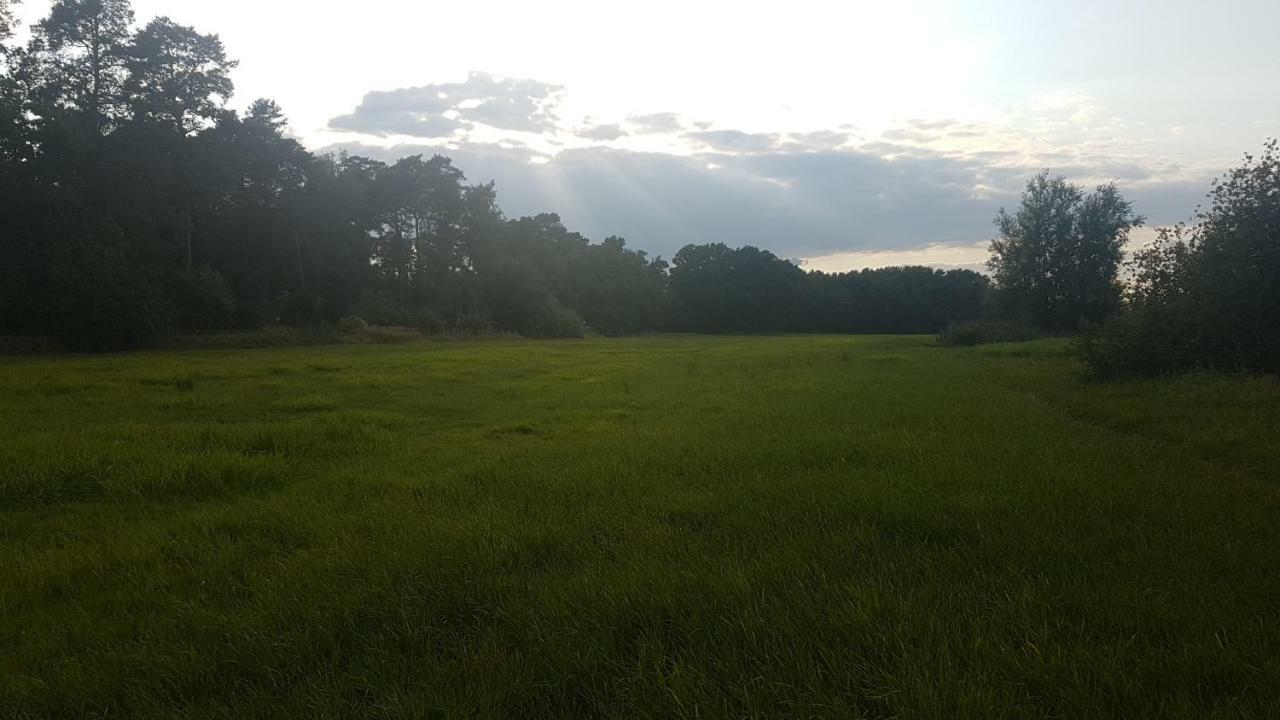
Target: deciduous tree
[1057,259]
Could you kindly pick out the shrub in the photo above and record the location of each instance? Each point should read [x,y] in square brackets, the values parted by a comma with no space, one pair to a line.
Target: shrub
[554,320]
[1136,343]
[427,322]
[203,299]
[273,335]
[981,332]
[283,336]
[297,309]
[379,307]
[1204,296]
[20,345]
[351,324]
[390,335]
[102,300]
[474,322]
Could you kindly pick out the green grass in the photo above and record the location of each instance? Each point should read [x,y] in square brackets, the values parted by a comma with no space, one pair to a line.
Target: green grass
[652,527]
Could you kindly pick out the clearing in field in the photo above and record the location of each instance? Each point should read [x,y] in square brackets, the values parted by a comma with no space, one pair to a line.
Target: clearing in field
[651,527]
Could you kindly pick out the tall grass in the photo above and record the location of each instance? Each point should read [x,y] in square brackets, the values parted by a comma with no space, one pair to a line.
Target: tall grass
[654,527]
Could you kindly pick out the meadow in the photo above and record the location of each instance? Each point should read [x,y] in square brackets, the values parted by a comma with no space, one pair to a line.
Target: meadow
[666,527]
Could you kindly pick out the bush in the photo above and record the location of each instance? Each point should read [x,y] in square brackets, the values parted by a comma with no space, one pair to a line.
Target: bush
[1204,296]
[297,310]
[102,300]
[554,320]
[427,322]
[474,322]
[279,335]
[379,307]
[21,345]
[203,299]
[282,336]
[1136,343]
[351,324]
[981,332]
[520,300]
[388,335]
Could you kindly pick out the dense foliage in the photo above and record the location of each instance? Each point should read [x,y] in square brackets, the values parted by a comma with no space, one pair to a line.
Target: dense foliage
[136,204]
[1205,296]
[986,330]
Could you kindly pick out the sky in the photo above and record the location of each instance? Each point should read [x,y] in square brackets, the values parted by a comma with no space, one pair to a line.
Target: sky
[838,134]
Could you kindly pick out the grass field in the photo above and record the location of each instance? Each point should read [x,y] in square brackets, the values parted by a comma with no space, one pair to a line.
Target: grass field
[651,527]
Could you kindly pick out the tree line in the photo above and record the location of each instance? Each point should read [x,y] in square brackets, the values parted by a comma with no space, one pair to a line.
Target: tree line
[715,288]
[138,204]
[1204,296]
[135,204]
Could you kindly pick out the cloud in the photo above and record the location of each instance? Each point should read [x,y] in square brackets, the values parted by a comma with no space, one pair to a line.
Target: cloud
[925,132]
[1061,100]
[734,140]
[798,204]
[911,135]
[852,205]
[925,188]
[400,122]
[819,140]
[442,109]
[611,131]
[655,123]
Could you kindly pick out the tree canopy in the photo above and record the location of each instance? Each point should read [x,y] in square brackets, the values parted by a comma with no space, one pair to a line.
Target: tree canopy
[1057,259]
[6,18]
[1205,295]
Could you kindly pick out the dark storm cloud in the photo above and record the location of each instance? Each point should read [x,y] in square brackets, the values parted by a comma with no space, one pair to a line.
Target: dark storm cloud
[436,111]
